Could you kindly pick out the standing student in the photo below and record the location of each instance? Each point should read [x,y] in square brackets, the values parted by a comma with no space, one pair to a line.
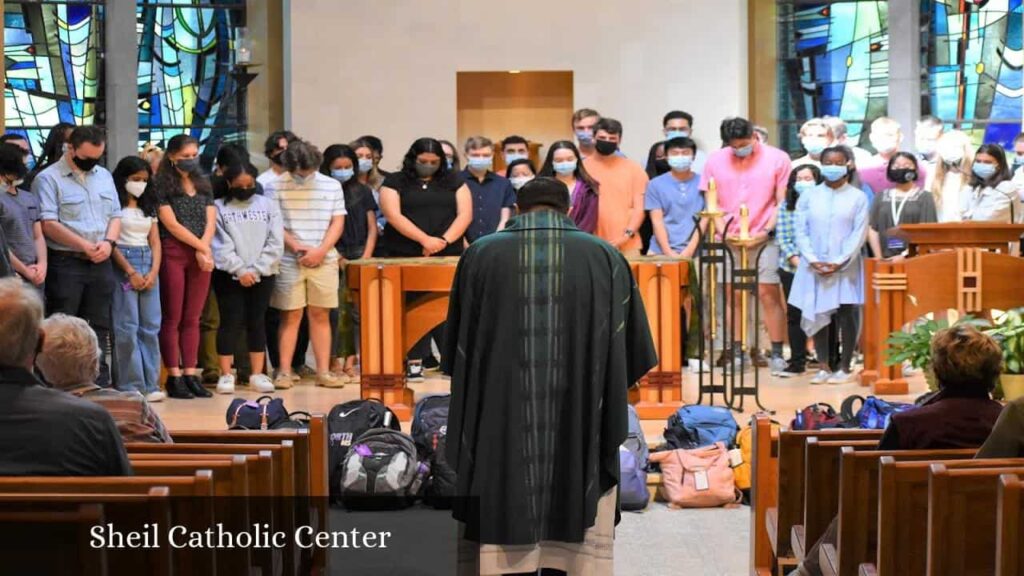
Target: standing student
[188,221]
[677,124]
[886,137]
[370,175]
[802,180]
[247,250]
[815,136]
[674,200]
[377,146]
[656,166]
[926,138]
[358,242]
[136,302]
[831,228]
[903,203]
[565,164]
[19,218]
[273,148]
[451,154]
[493,195]
[951,181]
[313,211]
[583,121]
[514,148]
[53,150]
[993,196]
[621,203]
[519,172]
[82,222]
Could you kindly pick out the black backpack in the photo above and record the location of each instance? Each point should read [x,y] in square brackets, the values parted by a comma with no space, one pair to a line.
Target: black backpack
[429,419]
[381,471]
[347,422]
[441,485]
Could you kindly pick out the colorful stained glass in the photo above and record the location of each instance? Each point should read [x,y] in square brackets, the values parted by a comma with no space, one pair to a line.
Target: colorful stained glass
[185,64]
[975,56]
[53,66]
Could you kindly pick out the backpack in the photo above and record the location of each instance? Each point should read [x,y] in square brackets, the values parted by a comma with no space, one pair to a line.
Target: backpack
[382,470]
[633,456]
[348,421]
[264,413]
[875,413]
[816,417]
[441,485]
[742,471]
[429,419]
[698,478]
[695,426]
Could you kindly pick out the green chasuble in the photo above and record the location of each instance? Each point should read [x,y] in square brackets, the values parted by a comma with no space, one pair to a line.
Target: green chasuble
[545,333]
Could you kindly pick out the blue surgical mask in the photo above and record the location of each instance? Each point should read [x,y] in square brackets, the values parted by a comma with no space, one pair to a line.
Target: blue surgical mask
[585,137]
[564,168]
[480,162]
[451,164]
[834,173]
[802,186]
[984,171]
[743,152]
[680,163]
[343,175]
[513,156]
[677,134]
[365,164]
[814,146]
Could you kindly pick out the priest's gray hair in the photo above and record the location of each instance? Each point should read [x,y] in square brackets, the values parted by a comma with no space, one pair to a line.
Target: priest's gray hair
[21,312]
[71,352]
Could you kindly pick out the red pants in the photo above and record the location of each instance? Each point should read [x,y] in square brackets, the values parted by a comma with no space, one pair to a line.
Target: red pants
[183,290]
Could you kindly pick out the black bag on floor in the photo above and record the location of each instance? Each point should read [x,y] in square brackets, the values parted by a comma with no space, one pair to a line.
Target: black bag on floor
[382,470]
[429,431]
[349,421]
[264,413]
[441,485]
[297,420]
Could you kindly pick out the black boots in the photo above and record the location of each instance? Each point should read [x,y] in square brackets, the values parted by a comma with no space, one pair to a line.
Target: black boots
[195,386]
[176,388]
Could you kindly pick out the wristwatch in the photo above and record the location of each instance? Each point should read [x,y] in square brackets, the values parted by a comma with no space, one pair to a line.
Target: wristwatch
[630,233]
[113,243]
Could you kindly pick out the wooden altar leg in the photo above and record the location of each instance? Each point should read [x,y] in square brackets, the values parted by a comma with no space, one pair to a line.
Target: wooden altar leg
[661,391]
[382,304]
[891,318]
[869,375]
[659,396]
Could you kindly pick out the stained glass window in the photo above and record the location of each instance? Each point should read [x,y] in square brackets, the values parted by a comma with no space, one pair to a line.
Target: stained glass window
[833,59]
[185,64]
[974,67]
[53,69]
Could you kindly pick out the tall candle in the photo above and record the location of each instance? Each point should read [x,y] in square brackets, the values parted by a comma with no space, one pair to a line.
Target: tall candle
[712,196]
[744,222]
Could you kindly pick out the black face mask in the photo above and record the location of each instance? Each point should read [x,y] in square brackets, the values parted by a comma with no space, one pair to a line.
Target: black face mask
[605,148]
[278,158]
[85,164]
[242,194]
[901,175]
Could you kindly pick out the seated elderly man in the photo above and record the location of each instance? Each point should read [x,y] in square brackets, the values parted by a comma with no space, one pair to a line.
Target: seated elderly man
[70,361]
[46,432]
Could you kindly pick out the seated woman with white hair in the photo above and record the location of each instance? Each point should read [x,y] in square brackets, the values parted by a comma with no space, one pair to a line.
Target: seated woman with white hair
[69,361]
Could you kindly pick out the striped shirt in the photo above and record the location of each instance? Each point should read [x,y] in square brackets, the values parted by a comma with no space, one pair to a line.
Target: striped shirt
[307,208]
[785,235]
[135,420]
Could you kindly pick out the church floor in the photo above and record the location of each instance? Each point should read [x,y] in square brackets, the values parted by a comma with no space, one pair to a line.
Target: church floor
[654,542]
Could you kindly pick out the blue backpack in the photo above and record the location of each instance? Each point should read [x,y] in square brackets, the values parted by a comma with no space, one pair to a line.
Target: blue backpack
[875,413]
[702,426]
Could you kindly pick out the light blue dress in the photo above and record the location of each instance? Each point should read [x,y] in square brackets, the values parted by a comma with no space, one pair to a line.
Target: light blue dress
[831,227]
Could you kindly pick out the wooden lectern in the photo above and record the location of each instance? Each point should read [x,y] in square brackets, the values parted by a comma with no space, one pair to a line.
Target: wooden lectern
[961,266]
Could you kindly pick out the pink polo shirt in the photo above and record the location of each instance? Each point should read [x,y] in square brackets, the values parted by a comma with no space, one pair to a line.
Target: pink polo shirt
[754,181]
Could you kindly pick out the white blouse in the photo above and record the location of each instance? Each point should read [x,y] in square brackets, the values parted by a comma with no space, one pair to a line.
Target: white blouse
[135,227]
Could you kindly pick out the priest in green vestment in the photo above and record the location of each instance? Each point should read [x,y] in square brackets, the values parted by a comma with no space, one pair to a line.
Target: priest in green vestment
[545,334]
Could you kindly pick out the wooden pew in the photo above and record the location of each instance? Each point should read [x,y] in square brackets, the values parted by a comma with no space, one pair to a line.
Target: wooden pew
[790,485]
[903,513]
[1009,551]
[764,493]
[858,505]
[28,543]
[821,489]
[962,520]
[282,458]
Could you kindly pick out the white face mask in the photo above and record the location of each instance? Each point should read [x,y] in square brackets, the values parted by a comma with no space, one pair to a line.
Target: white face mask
[884,144]
[135,188]
[520,181]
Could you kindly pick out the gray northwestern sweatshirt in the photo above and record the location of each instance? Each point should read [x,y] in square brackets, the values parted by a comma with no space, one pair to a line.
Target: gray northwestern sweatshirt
[250,236]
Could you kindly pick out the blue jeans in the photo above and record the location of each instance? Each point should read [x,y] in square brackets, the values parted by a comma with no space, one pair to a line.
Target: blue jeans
[136,327]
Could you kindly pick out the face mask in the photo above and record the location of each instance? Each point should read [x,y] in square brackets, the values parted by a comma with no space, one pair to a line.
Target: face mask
[135,188]
[605,148]
[425,170]
[814,146]
[680,163]
[481,163]
[677,134]
[834,173]
[85,164]
[242,193]
[188,165]
[743,152]
[884,145]
[513,156]
[802,186]
[343,175]
[901,175]
[925,147]
[451,164]
[303,180]
[520,181]
[365,164]
[564,168]
[278,158]
[584,137]
[984,171]
[18,182]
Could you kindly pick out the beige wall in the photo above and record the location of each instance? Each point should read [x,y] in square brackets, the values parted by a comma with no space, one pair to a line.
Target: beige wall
[389,66]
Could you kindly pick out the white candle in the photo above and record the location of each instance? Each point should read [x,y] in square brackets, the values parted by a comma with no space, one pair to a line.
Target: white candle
[744,222]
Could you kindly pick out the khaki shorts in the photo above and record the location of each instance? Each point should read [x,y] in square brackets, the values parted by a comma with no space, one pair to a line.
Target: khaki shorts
[297,286]
[767,267]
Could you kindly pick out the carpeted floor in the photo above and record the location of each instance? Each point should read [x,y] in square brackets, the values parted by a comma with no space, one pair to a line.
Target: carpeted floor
[660,541]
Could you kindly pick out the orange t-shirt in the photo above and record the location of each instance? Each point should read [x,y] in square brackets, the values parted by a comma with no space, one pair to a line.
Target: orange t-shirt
[619,181]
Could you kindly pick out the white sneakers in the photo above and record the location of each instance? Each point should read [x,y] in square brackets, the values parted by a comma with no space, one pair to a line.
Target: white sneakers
[777,365]
[821,377]
[697,366]
[156,396]
[838,377]
[226,384]
[261,383]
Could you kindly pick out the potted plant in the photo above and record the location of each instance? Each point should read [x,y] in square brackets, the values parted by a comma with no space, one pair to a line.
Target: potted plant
[1009,333]
[915,347]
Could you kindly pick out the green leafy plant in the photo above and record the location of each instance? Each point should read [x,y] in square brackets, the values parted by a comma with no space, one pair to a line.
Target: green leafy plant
[1009,333]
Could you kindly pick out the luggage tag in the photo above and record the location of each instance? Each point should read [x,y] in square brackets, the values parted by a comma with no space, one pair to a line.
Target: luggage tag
[735,457]
[700,480]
